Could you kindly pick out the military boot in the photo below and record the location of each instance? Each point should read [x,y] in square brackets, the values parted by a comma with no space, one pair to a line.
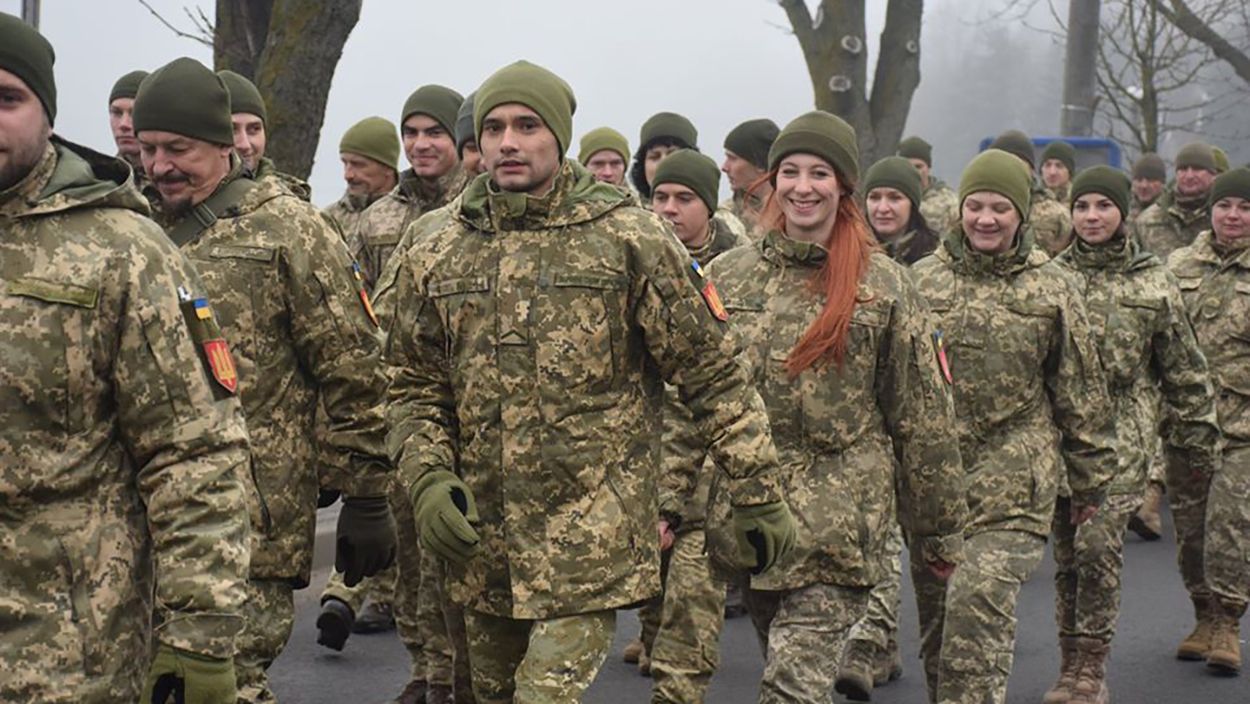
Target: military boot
[855,671]
[644,664]
[633,650]
[334,623]
[439,694]
[1090,685]
[1061,691]
[1224,657]
[889,665]
[1198,642]
[1146,522]
[414,693]
[376,617]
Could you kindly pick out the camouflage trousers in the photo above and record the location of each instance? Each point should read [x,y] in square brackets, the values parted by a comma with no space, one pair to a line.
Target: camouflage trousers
[1187,497]
[549,661]
[268,617]
[1228,530]
[968,624]
[1089,560]
[880,622]
[686,648]
[379,588]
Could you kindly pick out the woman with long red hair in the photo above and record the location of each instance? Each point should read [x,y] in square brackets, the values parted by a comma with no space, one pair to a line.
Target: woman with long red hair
[843,357]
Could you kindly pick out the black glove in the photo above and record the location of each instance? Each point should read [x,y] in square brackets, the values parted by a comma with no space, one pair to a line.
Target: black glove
[365,541]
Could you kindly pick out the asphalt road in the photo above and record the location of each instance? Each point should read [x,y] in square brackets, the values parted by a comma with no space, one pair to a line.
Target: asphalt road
[1155,616]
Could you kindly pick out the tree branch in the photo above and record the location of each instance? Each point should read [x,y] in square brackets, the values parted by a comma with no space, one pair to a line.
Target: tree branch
[201,38]
[1180,15]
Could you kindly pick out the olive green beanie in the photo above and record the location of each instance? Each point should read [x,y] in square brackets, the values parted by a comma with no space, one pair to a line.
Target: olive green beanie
[244,96]
[824,135]
[1150,166]
[127,86]
[895,172]
[186,98]
[1018,143]
[1103,180]
[916,148]
[692,170]
[752,139]
[1196,155]
[439,102]
[373,138]
[535,87]
[669,124]
[599,139]
[1234,183]
[1064,152]
[1221,159]
[999,172]
[464,125]
[25,53]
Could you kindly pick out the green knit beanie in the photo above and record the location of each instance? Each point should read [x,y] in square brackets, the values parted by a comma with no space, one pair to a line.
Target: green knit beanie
[244,96]
[127,86]
[1150,166]
[1221,159]
[439,102]
[1196,155]
[669,124]
[1018,143]
[25,53]
[692,170]
[1103,180]
[536,88]
[1062,151]
[464,124]
[895,172]
[752,139]
[599,139]
[916,148]
[373,138]
[824,135]
[999,172]
[1234,183]
[186,98]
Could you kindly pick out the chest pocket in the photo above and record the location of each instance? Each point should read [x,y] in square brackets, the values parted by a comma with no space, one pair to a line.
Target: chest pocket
[464,306]
[246,294]
[1131,323]
[745,316]
[836,404]
[578,328]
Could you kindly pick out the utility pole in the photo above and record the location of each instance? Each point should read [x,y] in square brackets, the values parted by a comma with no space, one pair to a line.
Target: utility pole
[1076,118]
[30,12]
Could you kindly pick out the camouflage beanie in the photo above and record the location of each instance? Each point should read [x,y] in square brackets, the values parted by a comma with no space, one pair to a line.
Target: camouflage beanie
[1150,166]
[439,102]
[895,172]
[127,86]
[692,170]
[464,125]
[244,96]
[1231,184]
[536,88]
[373,138]
[669,124]
[824,135]
[916,148]
[25,53]
[599,139]
[1196,155]
[185,98]
[999,172]
[1018,143]
[1103,180]
[752,139]
[1221,160]
[1064,152]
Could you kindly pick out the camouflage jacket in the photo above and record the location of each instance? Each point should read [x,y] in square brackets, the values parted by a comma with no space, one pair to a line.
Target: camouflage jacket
[383,223]
[1050,221]
[1148,349]
[940,206]
[737,205]
[1137,208]
[348,212]
[1030,395]
[527,346]
[266,170]
[120,492]
[840,434]
[287,298]
[1216,287]
[910,247]
[1063,194]
[1168,225]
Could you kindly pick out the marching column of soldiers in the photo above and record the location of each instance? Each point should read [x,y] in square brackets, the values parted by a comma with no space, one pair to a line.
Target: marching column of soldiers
[547,389]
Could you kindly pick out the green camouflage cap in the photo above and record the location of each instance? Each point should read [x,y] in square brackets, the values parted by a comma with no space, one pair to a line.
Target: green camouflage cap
[1196,155]
[692,170]
[1000,172]
[1150,166]
[670,125]
[1062,151]
[244,96]
[752,139]
[916,148]
[599,139]
[439,102]
[535,87]
[25,53]
[1103,180]
[824,135]
[895,172]
[1018,143]
[373,138]
[127,86]
[186,98]
[1234,184]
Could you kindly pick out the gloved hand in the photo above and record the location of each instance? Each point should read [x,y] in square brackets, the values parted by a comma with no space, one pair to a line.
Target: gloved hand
[445,513]
[365,538]
[327,497]
[765,533]
[180,677]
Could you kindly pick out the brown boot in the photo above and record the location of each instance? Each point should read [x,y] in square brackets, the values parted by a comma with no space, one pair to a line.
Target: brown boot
[889,666]
[855,670]
[1090,685]
[414,693]
[1146,522]
[1061,692]
[644,665]
[439,694]
[1224,657]
[633,650]
[1198,642]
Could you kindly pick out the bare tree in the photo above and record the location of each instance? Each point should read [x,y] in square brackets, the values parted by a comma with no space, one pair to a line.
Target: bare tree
[836,54]
[1192,24]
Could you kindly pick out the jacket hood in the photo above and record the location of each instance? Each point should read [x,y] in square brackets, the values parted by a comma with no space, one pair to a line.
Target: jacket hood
[575,198]
[955,250]
[84,177]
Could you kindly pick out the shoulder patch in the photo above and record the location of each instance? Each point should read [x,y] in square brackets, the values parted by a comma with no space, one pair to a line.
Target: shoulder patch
[939,350]
[364,294]
[708,290]
[208,338]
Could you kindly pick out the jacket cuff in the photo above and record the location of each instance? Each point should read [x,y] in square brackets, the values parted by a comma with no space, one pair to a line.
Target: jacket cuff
[209,634]
[947,548]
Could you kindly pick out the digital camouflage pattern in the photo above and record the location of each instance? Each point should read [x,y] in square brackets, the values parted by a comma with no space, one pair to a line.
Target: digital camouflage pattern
[910,247]
[120,485]
[1136,208]
[528,331]
[686,649]
[552,661]
[879,624]
[1089,563]
[348,212]
[268,617]
[940,206]
[1171,223]
[807,628]
[746,210]
[267,171]
[1050,220]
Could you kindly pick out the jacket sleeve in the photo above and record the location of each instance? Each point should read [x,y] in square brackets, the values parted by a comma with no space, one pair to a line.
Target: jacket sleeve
[682,453]
[1190,428]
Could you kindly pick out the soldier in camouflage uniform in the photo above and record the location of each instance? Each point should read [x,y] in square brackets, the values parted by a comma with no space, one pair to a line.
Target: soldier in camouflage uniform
[1176,218]
[893,197]
[605,153]
[1214,275]
[121,122]
[1048,219]
[1149,179]
[369,151]
[292,299]
[123,449]
[531,317]
[1030,403]
[938,203]
[1058,168]
[249,120]
[745,165]
[1148,350]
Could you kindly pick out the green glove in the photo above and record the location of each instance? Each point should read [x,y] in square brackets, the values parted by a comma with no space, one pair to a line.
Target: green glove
[190,678]
[445,513]
[765,533]
[364,539]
